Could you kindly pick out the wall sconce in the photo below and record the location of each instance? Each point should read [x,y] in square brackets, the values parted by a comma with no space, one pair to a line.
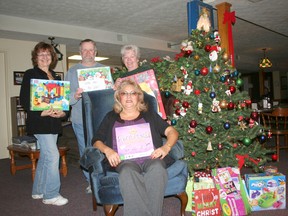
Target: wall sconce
[265,62]
[58,53]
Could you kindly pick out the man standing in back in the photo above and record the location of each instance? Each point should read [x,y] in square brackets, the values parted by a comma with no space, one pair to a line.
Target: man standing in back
[88,51]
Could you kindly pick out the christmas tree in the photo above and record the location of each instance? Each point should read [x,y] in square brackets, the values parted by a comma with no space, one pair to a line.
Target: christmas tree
[212,115]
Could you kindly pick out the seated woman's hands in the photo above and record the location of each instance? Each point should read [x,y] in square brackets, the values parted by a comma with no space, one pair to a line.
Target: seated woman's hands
[113,157]
[160,152]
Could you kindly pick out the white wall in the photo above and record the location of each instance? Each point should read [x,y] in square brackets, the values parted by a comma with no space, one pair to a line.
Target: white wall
[17,57]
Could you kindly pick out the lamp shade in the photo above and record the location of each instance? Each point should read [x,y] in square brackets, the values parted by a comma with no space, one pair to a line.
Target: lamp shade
[265,62]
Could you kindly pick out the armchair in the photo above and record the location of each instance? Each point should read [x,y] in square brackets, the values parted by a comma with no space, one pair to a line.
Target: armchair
[105,185]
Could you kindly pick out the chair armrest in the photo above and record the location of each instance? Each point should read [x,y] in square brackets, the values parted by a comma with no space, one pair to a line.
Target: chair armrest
[92,159]
[177,151]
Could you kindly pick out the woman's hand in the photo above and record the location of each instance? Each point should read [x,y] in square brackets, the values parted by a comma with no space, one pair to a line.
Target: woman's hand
[113,157]
[117,83]
[53,113]
[160,152]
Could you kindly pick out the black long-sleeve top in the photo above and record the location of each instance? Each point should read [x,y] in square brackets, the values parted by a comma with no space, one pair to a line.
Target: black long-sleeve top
[35,123]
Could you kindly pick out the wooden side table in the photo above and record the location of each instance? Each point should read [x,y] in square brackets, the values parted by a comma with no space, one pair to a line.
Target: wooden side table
[34,156]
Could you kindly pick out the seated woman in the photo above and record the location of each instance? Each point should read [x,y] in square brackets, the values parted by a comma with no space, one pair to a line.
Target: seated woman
[142,179]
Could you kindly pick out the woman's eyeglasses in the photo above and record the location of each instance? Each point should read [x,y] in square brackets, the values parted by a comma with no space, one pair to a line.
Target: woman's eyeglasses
[42,55]
[126,94]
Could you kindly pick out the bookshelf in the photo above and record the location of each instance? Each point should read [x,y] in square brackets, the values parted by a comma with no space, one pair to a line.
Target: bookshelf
[18,118]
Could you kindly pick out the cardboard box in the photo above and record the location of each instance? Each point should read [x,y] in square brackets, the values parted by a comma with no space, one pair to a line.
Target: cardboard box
[266,191]
[232,191]
[45,94]
[92,79]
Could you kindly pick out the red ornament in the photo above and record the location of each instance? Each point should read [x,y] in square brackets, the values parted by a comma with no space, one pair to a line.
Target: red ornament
[232,89]
[209,129]
[230,106]
[197,92]
[193,124]
[254,116]
[188,52]
[235,145]
[204,71]
[248,103]
[207,48]
[176,102]
[177,112]
[193,154]
[274,157]
[220,146]
[185,104]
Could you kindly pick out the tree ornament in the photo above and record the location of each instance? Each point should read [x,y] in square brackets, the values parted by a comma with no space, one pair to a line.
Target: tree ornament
[176,103]
[223,104]
[209,129]
[239,82]
[230,106]
[209,147]
[269,134]
[199,44]
[226,125]
[167,94]
[173,122]
[235,145]
[197,92]
[247,141]
[200,108]
[197,72]
[225,56]
[178,111]
[204,71]
[193,124]
[212,95]
[262,138]
[220,146]
[248,103]
[235,73]
[215,106]
[232,89]
[274,157]
[216,69]
[207,48]
[222,79]
[193,154]
[196,57]
[213,56]
[185,104]
[254,115]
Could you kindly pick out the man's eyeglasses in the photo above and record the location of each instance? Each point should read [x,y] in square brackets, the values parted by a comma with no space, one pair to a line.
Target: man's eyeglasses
[126,94]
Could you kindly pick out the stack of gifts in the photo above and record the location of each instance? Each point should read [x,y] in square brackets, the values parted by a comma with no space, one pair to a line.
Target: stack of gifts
[267,191]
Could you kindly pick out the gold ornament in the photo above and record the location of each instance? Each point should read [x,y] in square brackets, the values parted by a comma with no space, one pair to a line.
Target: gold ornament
[242,125]
[216,69]
[225,56]
[223,104]
[196,57]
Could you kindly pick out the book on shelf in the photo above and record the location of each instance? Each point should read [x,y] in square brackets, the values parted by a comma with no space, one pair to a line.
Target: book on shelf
[45,94]
[148,83]
[92,79]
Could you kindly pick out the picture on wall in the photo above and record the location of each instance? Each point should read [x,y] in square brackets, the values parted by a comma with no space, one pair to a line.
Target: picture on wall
[18,77]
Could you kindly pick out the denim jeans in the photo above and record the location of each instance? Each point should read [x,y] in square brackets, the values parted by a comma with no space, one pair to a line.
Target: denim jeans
[79,132]
[47,177]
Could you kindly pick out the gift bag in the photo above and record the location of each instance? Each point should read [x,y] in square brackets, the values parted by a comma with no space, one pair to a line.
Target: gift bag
[206,202]
[189,190]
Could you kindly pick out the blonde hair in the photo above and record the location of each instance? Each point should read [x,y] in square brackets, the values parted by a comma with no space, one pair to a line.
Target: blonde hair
[141,106]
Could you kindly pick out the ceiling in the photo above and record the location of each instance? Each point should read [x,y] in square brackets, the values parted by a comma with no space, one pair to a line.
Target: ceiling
[149,24]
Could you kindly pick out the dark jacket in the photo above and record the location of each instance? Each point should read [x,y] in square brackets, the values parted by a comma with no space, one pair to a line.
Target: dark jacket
[35,123]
